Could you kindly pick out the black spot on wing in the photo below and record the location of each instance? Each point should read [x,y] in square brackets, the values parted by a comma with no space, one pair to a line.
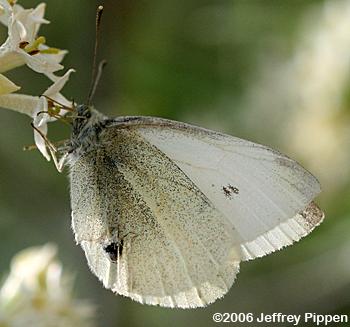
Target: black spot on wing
[230,191]
[114,250]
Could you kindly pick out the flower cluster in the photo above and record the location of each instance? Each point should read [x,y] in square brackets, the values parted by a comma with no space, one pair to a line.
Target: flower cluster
[36,293]
[23,46]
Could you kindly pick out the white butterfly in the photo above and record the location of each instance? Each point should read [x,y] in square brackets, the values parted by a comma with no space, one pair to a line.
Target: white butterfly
[166,211]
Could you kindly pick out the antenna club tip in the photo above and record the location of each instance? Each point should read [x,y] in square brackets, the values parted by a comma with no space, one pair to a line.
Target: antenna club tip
[100,8]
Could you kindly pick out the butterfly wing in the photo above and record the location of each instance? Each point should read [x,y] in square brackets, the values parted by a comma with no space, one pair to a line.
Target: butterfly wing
[174,248]
[264,195]
[184,205]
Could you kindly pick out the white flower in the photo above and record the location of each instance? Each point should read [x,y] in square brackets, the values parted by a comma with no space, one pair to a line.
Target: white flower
[46,111]
[23,46]
[6,86]
[37,294]
[41,109]
[5,11]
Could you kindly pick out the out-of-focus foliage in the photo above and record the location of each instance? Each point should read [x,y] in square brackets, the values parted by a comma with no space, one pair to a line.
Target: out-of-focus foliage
[275,72]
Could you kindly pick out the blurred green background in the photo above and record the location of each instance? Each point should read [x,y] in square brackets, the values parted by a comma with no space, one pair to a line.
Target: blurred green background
[274,72]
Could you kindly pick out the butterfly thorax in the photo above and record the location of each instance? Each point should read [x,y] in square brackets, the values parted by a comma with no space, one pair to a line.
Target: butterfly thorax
[87,126]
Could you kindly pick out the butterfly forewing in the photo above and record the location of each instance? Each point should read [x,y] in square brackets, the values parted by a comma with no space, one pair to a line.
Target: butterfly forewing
[261,192]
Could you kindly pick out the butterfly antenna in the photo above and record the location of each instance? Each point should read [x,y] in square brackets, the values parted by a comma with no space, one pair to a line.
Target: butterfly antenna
[97,78]
[96,72]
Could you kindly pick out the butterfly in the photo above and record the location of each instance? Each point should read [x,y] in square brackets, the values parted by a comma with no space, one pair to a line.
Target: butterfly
[166,211]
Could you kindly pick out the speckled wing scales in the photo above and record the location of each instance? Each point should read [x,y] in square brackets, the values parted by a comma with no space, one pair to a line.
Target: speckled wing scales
[178,250]
[184,205]
[266,196]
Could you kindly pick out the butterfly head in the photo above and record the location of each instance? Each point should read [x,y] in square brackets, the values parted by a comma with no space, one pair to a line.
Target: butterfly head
[83,111]
[86,126]
[85,116]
